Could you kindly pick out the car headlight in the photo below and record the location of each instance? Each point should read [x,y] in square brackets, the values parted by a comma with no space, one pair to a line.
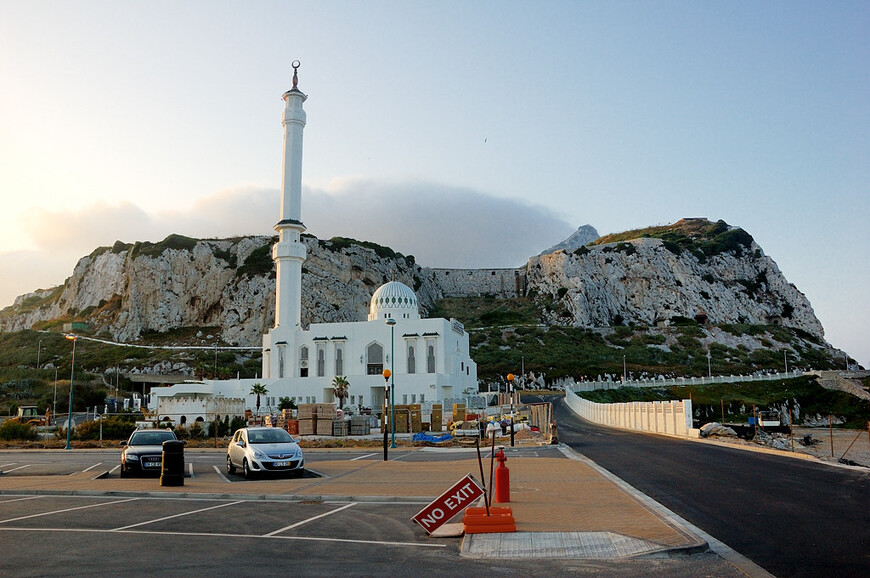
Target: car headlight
[131,457]
[259,455]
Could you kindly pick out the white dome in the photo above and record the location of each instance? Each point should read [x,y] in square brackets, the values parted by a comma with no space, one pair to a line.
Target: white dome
[395,300]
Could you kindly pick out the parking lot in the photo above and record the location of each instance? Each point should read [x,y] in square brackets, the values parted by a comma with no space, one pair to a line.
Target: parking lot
[108,535]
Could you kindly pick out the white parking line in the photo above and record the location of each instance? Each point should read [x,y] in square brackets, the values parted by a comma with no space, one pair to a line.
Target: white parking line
[112,471]
[223,477]
[9,464]
[20,499]
[297,524]
[19,468]
[175,516]
[190,467]
[92,467]
[68,510]
[362,457]
[222,535]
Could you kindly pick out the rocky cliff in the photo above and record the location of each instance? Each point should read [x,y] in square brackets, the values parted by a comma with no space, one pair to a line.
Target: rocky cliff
[693,269]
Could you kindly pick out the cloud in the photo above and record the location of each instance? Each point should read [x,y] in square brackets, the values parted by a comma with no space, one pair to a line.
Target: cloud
[442,226]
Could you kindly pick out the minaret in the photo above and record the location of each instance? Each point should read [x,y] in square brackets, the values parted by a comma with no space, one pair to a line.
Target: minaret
[289,253]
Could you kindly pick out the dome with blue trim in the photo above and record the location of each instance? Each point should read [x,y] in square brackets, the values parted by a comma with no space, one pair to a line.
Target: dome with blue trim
[396,300]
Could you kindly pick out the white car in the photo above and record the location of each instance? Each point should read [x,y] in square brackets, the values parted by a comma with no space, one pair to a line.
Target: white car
[256,450]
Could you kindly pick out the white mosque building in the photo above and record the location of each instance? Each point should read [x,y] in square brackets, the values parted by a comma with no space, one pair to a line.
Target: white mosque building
[429,358]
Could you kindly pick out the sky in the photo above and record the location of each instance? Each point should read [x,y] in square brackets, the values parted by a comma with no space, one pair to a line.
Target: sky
[468,134]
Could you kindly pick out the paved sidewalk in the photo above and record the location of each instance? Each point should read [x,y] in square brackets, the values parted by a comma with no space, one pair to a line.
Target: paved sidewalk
[563,506]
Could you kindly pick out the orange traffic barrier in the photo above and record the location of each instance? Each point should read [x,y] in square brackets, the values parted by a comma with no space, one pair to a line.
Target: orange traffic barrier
[499,520]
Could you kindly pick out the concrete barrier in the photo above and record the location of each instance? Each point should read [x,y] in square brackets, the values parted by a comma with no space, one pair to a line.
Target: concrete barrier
[672,418]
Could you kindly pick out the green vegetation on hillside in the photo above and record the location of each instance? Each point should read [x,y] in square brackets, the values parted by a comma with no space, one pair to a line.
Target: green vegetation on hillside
[338,243]
[21,383]
[506,333]
[701,237]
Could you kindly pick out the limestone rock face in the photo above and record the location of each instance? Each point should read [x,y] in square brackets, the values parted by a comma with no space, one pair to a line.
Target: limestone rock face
[582,236]
[642,282]
[229,284]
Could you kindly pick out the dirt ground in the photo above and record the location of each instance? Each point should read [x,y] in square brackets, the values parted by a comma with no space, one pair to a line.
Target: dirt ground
[843,438]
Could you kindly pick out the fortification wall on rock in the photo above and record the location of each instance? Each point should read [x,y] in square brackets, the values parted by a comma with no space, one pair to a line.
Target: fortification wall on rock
[477,282]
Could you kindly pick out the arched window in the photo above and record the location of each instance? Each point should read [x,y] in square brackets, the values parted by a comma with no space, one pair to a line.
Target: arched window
[339,360]
[430,359]
[412,360]
[303,361]
[374,359]
[321,361]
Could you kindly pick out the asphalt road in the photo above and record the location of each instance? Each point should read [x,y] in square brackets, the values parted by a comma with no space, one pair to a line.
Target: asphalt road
[791,517]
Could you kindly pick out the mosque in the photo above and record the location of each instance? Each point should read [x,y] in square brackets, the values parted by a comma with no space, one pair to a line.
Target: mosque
[429,358]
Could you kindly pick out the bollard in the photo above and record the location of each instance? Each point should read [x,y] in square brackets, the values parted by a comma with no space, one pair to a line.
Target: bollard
[502,479]
[172,466]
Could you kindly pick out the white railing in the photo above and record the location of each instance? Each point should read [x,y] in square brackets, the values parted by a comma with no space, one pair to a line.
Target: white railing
[681,381]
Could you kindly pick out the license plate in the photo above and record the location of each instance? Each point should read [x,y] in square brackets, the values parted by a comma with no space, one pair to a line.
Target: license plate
[152,464]
[282,464]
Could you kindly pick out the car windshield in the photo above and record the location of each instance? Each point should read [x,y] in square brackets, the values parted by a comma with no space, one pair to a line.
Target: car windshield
[269,436]
[151,438]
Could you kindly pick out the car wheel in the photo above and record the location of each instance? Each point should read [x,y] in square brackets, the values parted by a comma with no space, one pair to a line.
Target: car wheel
[248,473]
[231,469]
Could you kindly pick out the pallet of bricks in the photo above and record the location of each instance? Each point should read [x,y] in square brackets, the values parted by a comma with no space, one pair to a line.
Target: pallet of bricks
[415,412]
[401,412]
[287,422]
[325,419]
[437,418]
[360,425]
[307,413]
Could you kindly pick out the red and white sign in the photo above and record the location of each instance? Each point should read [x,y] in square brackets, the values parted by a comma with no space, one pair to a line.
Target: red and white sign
[444,507]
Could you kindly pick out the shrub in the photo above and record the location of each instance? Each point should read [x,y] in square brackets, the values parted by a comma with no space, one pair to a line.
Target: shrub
[12,429]
[114,428]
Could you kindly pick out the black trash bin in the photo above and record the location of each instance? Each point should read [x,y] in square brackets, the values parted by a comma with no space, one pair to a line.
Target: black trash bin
[172,470]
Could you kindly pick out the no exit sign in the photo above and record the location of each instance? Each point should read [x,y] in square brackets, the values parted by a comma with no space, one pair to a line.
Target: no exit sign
[459,496]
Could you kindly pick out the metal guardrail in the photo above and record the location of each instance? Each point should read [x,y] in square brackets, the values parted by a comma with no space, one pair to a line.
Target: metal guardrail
[682,381]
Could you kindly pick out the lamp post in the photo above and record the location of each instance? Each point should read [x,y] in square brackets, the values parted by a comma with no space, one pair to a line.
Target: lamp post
[386,373]
[54,406]
[510,378]
[785,358]
[72,371]
[38,351]
[392,323]
[709,367]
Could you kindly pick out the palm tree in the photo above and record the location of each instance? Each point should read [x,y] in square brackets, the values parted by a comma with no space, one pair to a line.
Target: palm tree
[340,387]
[258,389]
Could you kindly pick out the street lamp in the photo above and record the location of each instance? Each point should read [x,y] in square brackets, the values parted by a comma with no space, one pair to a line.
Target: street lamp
[72,371]
[510,378]
[709,367]
[386,373]
[392,323]
[785,357]
[38,351]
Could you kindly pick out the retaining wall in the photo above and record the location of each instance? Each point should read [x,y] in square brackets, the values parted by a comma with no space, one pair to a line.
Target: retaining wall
[673,418]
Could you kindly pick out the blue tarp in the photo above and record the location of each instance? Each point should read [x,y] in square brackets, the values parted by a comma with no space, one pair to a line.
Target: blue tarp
[421,437]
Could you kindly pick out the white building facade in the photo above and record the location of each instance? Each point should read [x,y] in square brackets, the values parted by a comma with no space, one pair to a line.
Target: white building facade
[429,358]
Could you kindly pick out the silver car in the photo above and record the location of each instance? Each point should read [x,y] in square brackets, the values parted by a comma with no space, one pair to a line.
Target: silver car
[257,450]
